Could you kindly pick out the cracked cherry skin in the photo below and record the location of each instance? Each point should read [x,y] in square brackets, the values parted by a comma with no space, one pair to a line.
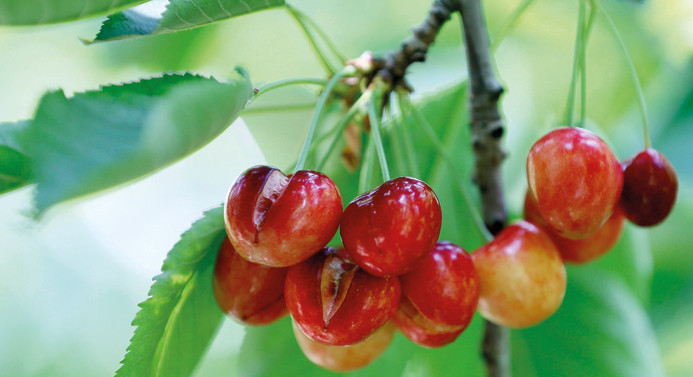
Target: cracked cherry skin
[346,358]
[390,228]
[521,275]
[649,188]
[334,302]
[252,293]
[585,249]
[575,179]
[279,221]
[439,297]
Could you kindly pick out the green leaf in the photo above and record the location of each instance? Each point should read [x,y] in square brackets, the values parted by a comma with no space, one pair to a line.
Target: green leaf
[32,12]
[179,15]
[177,323]
[600,330]
[96,140]
[15,166]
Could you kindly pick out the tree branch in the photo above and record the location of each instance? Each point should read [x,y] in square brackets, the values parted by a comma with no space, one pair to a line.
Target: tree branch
[393,67]
[487,129]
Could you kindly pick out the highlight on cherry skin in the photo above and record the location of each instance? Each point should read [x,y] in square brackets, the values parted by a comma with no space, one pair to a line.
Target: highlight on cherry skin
[649,188]
[521,275]
[251,293]
[387,230]
[583,250]
[439,296]
[575,180]
[279,220]
[346,358]
[334,302]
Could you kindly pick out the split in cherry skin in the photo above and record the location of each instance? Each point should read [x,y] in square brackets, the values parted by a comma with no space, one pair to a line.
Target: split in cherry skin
[334,302]
[279,220]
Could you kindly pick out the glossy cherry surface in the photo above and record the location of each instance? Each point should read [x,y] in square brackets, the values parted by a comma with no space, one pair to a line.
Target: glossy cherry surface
[336,303]
[575,179]
[390,228]
[279,221]
[586,249]
[649,188]
[249,292]
[444,285]
[522,276]
[346,358]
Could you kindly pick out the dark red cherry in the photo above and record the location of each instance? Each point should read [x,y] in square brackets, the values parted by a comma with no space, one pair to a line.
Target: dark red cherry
[649,188]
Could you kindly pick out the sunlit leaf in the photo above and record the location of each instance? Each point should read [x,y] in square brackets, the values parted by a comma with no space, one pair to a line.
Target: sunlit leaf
[31,12]
[179,15]
[99,139]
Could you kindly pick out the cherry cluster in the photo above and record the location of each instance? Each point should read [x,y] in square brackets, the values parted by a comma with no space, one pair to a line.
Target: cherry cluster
[579,197]
[393,272]
[345,303]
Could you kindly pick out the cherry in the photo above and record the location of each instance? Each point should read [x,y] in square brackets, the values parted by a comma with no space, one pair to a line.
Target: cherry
[279,221]
[250,292]
[575,179]
[649,188]
[439,297]
[586,249]
[335,302]
[521,275]
[390,228]
[346,358]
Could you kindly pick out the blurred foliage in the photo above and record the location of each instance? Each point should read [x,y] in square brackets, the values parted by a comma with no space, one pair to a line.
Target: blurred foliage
[614,308]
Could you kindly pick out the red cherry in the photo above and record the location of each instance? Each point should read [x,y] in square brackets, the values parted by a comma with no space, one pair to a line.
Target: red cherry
[390,228]
[251,293]
[586,249]
[649,188]
[346,358]
[440,295]
[335,303]
[522,276]
[421,330]
[279,221]
[575,179]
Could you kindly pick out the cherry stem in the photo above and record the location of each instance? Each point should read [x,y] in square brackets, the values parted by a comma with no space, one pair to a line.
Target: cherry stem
[411,154]
[631,70]
[374,109]
[319,107]
[579,40]
[583,65]
[406,103]
[510,24]
[339,128]
[301,80]
[309,21]
[302,20]
[366,164]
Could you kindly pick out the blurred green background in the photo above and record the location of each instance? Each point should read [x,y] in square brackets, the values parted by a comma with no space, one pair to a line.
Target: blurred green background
[70,283]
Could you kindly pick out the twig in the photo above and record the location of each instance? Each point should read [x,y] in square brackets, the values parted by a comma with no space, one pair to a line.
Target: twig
[487,129]
[394,66]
